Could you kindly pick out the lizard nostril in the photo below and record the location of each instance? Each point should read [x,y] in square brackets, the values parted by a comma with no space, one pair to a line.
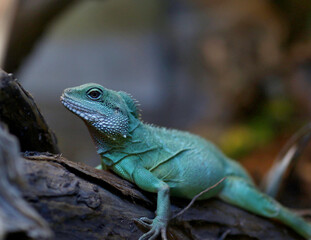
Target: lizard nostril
[67,90]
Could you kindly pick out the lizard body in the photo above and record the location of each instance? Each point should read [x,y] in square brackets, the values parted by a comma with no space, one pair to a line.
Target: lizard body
[167,162]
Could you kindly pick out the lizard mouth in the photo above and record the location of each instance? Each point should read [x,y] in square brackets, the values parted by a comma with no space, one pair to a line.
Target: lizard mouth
[112,125]
[77,108]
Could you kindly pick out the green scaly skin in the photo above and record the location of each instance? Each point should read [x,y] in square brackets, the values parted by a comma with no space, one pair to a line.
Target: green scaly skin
[166,162]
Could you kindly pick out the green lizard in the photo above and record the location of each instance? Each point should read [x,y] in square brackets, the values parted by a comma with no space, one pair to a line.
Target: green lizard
[166,162]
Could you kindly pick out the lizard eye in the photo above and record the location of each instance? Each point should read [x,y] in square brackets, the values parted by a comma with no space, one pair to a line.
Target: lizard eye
[94,93]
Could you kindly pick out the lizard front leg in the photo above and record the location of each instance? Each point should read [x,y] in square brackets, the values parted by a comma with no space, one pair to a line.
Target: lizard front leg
[144,179]
[147,181]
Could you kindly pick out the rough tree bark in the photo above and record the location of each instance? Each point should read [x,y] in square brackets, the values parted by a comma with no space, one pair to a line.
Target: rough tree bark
[80,202]
[24,120]
[17,218]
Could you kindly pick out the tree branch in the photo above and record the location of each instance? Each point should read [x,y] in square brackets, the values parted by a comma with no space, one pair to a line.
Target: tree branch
[23,118]
[16,216]
[85,203]
[35,16]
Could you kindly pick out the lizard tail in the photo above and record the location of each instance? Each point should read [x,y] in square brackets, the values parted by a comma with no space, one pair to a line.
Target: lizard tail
[243,194]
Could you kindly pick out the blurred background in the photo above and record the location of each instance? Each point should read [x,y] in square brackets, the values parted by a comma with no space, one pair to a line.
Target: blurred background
[237,72]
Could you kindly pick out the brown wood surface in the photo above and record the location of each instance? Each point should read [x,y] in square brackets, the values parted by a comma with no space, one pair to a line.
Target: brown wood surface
[81,202]
[23,118]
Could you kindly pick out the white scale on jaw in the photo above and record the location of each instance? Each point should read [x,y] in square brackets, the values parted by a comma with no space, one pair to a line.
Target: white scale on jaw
[111,125]
[77,109]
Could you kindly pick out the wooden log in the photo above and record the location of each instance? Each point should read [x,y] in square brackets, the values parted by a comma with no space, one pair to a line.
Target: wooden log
[81,202]
[23,118]
[18,220]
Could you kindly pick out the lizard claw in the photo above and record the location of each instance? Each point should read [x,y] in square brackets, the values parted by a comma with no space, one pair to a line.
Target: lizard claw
[144,221]
[157,226]
[163,234]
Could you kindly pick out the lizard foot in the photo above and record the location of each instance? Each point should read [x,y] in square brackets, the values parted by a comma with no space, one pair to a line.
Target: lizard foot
[157,226]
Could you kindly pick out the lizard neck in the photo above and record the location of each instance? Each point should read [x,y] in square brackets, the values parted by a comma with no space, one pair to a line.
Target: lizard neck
[105,143]
[101,141]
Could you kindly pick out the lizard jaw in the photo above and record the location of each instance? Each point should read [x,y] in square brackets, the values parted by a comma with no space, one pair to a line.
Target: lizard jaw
[77,109]
[101,122]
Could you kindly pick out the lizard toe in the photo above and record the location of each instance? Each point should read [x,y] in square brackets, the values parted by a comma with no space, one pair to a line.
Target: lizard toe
[157,225]
[144,221]
[151,235]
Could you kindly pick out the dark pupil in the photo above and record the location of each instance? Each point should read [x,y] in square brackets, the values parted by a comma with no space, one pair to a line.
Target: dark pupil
[94,94]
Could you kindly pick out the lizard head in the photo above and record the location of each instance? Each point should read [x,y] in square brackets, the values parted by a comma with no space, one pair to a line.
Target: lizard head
[107,111]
